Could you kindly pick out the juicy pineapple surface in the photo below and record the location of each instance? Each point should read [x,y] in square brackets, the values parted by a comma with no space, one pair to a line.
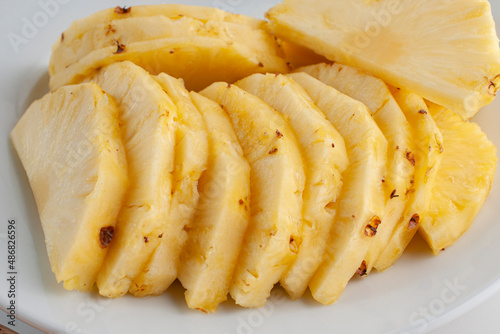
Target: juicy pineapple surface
[428,153]
[70,145]
[147,116]
[463,181]
[375,94]
[190,160]
[216,234]
[277,182]
[361,203]
[446,51]
[325,159]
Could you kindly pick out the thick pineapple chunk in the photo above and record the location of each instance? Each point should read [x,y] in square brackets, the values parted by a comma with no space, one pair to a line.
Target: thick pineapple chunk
[463,181]
[147,115]
[428,152]
[277,182]
[325,159]
[375,94]
[361,203]
[446,51]
[191,154]
[216,234]
[71,148]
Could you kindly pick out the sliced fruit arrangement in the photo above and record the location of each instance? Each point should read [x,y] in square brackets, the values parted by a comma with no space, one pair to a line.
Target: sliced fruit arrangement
[446,51]
[216,234]
[190,160]
[428,151]
[277,180]
[198,51]
[375,94]
[463,180]
[148,117]
[70,145]
[305,178]
[361,204]
[325,159]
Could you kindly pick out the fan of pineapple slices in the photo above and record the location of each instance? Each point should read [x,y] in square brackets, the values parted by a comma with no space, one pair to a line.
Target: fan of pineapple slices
[305,179]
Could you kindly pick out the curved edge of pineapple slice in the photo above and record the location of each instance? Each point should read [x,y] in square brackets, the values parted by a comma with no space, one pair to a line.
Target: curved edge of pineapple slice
[422,62]
[198,60]
[173,11]
[277,183]
[428,152]
[325,159]
[143,29]
[190,160]
[400,170]
[221,219]
[361,203]
[78,173]
[463,181]
[147,115]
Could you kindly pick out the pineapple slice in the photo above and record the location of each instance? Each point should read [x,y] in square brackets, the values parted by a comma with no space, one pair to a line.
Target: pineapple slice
[463,181]
[446,51]
[325,159]
[277,182]
[428,152]
[148,115]
[376,96]
[216,234]
[142,29]
[174,11]
[71,148]
[361,201]
[191,154]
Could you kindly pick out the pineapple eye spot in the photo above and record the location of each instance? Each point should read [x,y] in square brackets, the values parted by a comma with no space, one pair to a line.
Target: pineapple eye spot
[146,239]
[371,228]
[362,269]
[106,235]
[414,221]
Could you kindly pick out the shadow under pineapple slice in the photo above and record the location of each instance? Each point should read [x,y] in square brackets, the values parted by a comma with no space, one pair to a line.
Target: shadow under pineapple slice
[463,181]
[277,181]
[428,153]
[147,116]
[70,145]
[375,94]
[445,51]
[215,236]
[190,160]
[361,202]
[325,159]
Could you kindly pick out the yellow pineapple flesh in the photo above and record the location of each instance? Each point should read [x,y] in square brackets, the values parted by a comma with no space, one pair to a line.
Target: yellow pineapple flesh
[325,159]
[190,160]
[148,117]
[445,51]
[216,234]
[70,145]
[277,181]
[361,203]
[463,181]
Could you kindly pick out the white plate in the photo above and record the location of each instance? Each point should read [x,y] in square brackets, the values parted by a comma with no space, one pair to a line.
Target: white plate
[419,293]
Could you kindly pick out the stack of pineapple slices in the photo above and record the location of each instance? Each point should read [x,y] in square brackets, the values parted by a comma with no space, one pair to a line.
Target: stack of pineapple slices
[303,179]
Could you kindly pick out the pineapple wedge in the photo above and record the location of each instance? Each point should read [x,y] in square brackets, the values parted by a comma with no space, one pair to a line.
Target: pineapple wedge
[463,181]
[376,96]
[142,29]
[361,201]
[148,117]
[325,159]
[428,153]
[277,182]
[445,51]
[216,234]
[190,158]
[173,11]
[71,148]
